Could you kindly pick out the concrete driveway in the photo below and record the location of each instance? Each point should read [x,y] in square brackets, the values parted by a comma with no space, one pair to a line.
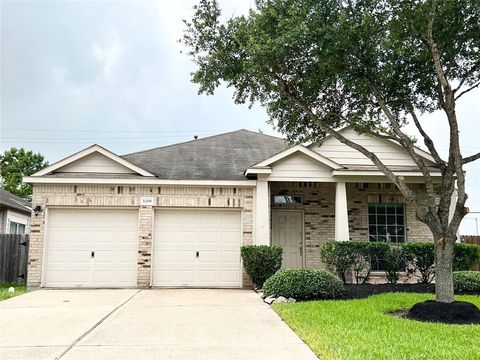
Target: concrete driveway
[145,324]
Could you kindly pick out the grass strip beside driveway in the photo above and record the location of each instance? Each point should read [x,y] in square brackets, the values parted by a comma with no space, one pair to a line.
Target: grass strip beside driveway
[4,294]
[361,329]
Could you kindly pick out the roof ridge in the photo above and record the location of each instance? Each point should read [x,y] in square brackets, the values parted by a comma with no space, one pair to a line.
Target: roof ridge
[196,140]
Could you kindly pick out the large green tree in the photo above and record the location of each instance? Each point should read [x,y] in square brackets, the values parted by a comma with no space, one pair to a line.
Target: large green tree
[319,65]
[14,165]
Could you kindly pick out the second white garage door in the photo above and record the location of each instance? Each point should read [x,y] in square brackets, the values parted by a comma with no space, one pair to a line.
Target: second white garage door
[197,248]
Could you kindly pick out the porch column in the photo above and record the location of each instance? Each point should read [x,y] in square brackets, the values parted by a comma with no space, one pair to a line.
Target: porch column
[341,213]
[262,213]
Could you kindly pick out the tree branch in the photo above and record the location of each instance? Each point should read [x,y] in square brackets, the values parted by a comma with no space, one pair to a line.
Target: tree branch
[399,181]
[474,86]
[409,146]
[427,140]
[468,159]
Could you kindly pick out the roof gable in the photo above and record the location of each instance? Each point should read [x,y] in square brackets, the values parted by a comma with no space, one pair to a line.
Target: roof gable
[297,149]
[389,152]
[96,160]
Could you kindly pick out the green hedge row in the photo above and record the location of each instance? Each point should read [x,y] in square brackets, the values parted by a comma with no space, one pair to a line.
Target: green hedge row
[416,257]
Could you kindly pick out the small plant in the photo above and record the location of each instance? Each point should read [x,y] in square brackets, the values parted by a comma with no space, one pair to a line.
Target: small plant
[421,257]
[261,261]
[304,284]
[465,256]
[394,263]
[466,281]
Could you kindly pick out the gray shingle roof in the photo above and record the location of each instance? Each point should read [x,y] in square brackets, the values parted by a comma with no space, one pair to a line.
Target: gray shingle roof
[219,157]
[7,199]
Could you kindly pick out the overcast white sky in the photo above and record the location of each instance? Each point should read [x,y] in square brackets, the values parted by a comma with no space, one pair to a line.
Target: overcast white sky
[111,72]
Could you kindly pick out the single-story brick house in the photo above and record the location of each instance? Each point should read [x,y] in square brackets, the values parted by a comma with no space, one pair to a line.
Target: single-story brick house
[176,216]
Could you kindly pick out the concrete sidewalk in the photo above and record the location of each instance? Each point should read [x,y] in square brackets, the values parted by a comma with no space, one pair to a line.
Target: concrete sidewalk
[145,324]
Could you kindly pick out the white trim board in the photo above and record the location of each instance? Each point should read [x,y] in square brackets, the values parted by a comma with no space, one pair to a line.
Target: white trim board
[140,181]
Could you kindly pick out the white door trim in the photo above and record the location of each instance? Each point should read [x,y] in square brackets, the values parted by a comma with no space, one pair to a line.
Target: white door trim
[302,212]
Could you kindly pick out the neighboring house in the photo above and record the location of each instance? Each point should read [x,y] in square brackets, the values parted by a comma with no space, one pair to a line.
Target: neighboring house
[15,214]
[177,215]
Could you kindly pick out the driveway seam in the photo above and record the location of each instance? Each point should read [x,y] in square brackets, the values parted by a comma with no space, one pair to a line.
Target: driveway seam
[95,326]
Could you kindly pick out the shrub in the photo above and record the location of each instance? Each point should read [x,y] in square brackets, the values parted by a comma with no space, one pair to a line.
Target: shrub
[304,284]
[261,261]
[338,257]
[394,263]
[465,256]
[466,281]
[421,257]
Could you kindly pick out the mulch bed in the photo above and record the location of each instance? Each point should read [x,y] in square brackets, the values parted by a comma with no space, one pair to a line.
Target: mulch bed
[354,291]
[457,312]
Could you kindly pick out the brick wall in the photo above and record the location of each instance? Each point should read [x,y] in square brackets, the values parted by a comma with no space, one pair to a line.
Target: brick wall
[319,212]
[107,196]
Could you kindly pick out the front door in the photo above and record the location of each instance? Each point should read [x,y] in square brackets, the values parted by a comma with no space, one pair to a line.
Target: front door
[287,232]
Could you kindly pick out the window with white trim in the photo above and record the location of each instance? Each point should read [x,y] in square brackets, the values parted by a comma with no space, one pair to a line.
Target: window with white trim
[386,222]
[17,228]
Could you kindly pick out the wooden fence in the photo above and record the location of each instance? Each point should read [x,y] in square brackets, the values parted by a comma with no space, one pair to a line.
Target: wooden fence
[471,239]
[13,258]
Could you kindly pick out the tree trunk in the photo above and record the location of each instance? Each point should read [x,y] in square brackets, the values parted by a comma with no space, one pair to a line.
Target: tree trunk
[443,270]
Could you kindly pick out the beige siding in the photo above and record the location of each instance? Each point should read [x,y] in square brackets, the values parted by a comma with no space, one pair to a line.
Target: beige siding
[95,163]
[390,154]
[299,165]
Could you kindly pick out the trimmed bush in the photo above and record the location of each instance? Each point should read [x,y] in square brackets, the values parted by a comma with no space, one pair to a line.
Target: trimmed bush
[466,281]
[421,257]
[339,257]
[303,284]
[465,256]
[394,263]
[261,261]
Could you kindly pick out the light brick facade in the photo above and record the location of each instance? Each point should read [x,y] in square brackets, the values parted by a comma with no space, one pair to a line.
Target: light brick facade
[319,212]
[107,196]
[318,207]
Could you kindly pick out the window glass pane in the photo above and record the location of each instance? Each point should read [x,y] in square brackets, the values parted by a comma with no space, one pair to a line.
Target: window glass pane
[380,209]
[287,199]
[390,209]
[13,227]
[21,229]
[391,219]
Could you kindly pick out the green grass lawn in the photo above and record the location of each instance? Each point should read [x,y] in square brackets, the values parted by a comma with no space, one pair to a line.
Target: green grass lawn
[361,329]
[4,295]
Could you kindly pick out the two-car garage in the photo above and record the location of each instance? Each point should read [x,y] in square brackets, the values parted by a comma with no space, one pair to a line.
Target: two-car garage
[99,248]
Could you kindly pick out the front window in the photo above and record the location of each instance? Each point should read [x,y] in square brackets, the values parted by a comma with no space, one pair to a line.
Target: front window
[17,228]
[386,223]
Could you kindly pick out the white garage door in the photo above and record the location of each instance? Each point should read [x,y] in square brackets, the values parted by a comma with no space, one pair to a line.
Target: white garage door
[91,248]
[197,248]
